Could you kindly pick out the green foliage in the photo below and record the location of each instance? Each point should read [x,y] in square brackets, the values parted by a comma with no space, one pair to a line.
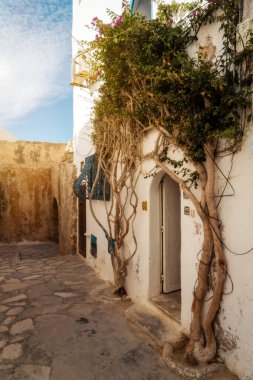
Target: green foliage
[148,78]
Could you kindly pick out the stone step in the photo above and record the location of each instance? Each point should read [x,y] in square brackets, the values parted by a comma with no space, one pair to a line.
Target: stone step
[167,335]
[158,326]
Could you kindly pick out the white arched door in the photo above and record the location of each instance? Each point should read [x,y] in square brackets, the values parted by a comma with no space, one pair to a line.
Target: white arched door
[170,223]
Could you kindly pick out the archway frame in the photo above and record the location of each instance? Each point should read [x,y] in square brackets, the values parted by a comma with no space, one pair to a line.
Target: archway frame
[155,269]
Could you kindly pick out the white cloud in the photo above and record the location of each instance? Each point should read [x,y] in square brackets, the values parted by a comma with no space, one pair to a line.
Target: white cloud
[35,54]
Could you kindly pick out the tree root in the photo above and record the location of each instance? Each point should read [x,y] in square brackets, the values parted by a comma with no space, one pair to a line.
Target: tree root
[120,291]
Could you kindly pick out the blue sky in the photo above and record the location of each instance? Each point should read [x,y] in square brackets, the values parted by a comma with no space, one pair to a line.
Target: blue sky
[35,62]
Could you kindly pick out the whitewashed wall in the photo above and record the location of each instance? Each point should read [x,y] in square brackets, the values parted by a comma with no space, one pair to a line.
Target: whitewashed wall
[83,13]
[236,212]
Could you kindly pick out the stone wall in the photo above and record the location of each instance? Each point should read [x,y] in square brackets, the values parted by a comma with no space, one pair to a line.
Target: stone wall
[66,205]
[35,188]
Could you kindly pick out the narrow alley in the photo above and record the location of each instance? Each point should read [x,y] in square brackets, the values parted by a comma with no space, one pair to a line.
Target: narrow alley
[58,323]
[126,208]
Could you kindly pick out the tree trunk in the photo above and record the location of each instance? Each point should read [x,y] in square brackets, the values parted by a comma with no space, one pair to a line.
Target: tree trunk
[204,268]
[206,352]
[202,345]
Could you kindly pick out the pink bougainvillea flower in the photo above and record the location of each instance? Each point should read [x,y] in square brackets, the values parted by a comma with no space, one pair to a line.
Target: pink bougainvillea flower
[94,21]
[118,21]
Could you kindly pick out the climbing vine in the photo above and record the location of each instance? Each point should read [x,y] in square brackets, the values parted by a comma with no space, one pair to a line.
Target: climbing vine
[199,104]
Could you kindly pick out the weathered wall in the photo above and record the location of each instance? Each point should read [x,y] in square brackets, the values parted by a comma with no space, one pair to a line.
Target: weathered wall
[66,205]
[26,194]
[29,174]
[31,154]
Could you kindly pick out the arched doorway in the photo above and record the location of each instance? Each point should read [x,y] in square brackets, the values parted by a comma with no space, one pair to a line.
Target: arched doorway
[170,235]
[55,232]
[165,245]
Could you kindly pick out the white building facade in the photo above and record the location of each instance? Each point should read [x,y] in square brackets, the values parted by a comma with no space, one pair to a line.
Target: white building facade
[168,229]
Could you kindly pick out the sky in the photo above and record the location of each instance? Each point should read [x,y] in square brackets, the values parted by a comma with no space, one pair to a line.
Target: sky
[35,68]
[35,62]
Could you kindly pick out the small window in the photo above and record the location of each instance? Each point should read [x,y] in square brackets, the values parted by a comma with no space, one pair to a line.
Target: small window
[241,9]
[142,6]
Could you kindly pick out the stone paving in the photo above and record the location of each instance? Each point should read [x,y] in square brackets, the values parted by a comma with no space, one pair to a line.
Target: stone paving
[57,323]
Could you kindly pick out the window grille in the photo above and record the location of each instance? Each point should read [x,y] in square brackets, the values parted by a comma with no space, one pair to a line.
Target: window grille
[241,10]
[142,6]
[83,185]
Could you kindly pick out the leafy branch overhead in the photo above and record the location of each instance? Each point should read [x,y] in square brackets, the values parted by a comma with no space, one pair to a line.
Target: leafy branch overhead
[148,60]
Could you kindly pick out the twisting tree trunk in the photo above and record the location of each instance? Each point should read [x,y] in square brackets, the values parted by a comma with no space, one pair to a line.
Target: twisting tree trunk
[207,352]
[119,160]
[202,345]
[204,268]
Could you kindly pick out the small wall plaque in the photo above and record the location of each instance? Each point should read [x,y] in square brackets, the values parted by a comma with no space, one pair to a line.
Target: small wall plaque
[187,210]
[144,206]
[185,196]
[192,213]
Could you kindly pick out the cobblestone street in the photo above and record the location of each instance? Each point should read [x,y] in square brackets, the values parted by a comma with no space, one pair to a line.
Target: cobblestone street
[58,322]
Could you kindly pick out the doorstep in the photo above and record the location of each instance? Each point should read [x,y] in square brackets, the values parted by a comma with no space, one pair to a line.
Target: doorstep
[170,304]
[165,334]
[157,325]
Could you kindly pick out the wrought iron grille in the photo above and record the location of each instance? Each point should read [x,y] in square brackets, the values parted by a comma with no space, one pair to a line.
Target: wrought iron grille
[83,184]
[240,10]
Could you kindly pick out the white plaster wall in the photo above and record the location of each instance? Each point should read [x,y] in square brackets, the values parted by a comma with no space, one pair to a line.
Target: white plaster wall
[248,9]
[138,269]
[236,214]
[102,264]
[83,12]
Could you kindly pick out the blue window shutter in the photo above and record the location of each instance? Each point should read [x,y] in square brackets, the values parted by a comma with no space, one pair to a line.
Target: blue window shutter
[83,184]
[80,184]
[93,245]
